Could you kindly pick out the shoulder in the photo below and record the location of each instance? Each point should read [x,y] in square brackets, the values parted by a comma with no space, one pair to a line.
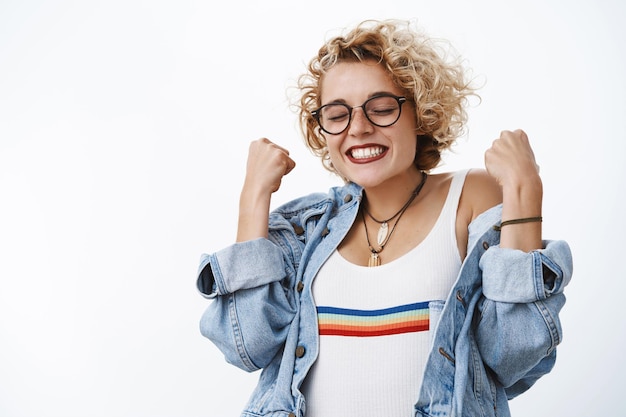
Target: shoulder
[480,193]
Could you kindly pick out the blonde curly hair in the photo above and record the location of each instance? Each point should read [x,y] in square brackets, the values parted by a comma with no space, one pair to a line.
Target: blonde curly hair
[416,64]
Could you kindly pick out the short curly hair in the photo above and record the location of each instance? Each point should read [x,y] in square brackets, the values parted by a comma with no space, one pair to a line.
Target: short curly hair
[417,64]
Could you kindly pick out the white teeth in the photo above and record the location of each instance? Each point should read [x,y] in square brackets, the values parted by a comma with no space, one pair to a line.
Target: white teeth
[364,153]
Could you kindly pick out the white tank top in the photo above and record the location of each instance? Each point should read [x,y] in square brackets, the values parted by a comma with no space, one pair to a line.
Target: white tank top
[374,324]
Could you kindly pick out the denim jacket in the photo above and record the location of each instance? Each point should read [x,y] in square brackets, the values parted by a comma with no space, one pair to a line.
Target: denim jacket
[494,336]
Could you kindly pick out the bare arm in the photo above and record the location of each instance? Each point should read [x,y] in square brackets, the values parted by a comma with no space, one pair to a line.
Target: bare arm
[266,166]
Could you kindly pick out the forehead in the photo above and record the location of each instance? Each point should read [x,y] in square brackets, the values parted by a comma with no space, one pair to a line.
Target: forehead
[351,81]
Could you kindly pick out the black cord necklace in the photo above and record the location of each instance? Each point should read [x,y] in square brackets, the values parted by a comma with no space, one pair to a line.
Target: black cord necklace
[383,232]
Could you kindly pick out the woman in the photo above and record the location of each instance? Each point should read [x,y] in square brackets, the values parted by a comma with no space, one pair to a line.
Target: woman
[402,292]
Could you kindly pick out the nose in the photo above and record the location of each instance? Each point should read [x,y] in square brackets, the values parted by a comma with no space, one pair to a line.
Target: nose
[359,124]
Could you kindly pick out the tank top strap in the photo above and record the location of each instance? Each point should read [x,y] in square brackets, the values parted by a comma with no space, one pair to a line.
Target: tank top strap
[451,204]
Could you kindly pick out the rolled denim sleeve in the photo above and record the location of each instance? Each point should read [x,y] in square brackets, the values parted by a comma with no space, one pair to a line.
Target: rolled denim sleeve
[514,276]
[240,266]
[251,308]
[519,327]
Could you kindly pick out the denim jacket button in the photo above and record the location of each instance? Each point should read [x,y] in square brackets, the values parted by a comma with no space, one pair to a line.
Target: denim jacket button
[291,415]
[485,245]
[298,229]
[347,198]
[300,286]
[300,351]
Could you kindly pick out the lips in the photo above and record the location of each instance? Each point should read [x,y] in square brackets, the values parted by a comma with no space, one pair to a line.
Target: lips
[365,154]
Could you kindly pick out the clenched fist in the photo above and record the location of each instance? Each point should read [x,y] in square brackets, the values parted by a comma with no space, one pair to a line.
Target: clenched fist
[267,164]
[511,160]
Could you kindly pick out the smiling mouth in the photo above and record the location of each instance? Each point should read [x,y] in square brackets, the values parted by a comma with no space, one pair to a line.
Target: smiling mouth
[366,154]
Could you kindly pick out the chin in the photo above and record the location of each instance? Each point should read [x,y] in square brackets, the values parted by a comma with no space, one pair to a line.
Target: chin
[366,182]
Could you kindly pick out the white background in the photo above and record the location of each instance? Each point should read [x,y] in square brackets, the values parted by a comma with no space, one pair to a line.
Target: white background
[124,128]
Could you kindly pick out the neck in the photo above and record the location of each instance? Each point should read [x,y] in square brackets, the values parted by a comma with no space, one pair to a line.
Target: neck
[384,200]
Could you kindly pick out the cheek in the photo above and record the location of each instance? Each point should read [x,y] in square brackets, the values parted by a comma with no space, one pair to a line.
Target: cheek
[408,148]
[333,150]
[408,136]
[334,156]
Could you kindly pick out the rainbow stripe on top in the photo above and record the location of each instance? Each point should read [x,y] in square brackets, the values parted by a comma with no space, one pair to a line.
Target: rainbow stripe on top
[408,318]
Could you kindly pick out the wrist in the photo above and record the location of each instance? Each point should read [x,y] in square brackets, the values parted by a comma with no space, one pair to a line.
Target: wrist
[254,198]
[523,198]
[254,206]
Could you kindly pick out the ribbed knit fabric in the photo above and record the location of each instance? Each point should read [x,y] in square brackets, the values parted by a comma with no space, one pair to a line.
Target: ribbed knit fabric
[375,324]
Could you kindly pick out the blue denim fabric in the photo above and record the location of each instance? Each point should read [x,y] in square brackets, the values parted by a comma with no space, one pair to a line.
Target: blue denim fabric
[494,336]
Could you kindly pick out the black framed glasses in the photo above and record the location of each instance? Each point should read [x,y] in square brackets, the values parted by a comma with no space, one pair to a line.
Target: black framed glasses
[382,111]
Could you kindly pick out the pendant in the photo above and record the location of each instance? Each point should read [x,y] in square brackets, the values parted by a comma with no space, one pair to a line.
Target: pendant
[374,260]
[382,233]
